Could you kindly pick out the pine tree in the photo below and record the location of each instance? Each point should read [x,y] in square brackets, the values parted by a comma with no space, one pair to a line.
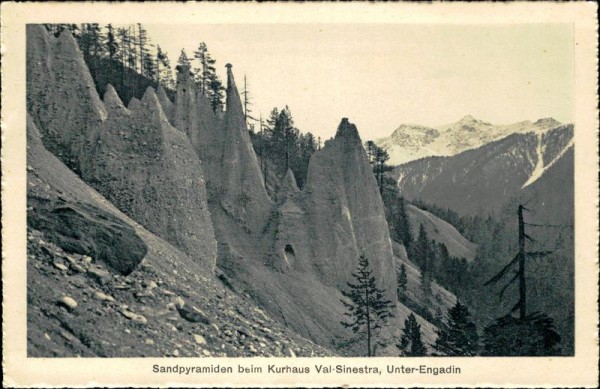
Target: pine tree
[459,335]
[402,282]
[216,94]
[404,224]
[378,158]
[131,48]
[419,253]
[411,344]
[368,309]
[111,42]
[528,334]
[163,69]
[97,47]
[534,335]
[247,102]
[204,72]
[183,63]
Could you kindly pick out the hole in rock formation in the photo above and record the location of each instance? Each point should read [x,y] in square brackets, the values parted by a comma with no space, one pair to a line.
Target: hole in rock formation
[289,249]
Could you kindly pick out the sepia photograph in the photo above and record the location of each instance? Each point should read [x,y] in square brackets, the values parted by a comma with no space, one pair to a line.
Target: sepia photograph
[229,197]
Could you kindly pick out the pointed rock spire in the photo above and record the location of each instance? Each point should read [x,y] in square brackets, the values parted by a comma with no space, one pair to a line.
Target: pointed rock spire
[162,97]
[233,101]
[289,184]
[67,41]
[134,105]
[166,103]
[347,131]
[112,102]
[152,106]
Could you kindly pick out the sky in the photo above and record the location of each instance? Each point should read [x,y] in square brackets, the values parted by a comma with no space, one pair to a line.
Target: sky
[384,75]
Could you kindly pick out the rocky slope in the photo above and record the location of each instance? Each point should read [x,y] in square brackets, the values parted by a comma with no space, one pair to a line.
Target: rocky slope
[442,232]
[411,142]
[131,155]
[99,284]
[482,180]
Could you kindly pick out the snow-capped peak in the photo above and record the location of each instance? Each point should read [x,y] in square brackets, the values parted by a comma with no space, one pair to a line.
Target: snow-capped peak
[409,141]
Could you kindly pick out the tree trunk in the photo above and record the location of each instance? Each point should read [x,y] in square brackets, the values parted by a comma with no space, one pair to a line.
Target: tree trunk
[368,321]
[522,286]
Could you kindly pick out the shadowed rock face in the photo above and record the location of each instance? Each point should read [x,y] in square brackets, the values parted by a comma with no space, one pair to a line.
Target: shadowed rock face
[242,190]
[193,115]
[87,230]
[131,155]
[52,64]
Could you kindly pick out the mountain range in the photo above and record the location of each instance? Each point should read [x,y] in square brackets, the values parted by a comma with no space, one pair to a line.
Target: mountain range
[482,180]
[410,142]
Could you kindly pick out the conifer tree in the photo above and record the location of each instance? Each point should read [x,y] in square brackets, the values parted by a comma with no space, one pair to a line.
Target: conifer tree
[183,62]
[411,344]
[459,335]
[378,158]
[163,69]
[111,42]
[402,282]
[215,93]
[404,224]
[205,70]
[368,309]
[420,252]
[247,102]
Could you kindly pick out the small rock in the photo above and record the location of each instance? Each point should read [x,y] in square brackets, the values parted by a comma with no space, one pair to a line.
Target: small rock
[134,316]
[151,285]
[199,339]
[262,345]
[67,336]
[179,302]
[193,315]
[149,341]
[99,275]
[144,293]
[77,268]
[176,352]
[60,266]
[167,292]
[288,352]
[127,330]
[206,352]
[68,302]
[47,336]
[252,349]
[70,259]
[87,259]
[104,297]
[216,327]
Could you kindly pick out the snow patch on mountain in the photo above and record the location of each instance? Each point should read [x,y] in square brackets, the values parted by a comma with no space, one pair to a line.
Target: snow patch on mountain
[540,168]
